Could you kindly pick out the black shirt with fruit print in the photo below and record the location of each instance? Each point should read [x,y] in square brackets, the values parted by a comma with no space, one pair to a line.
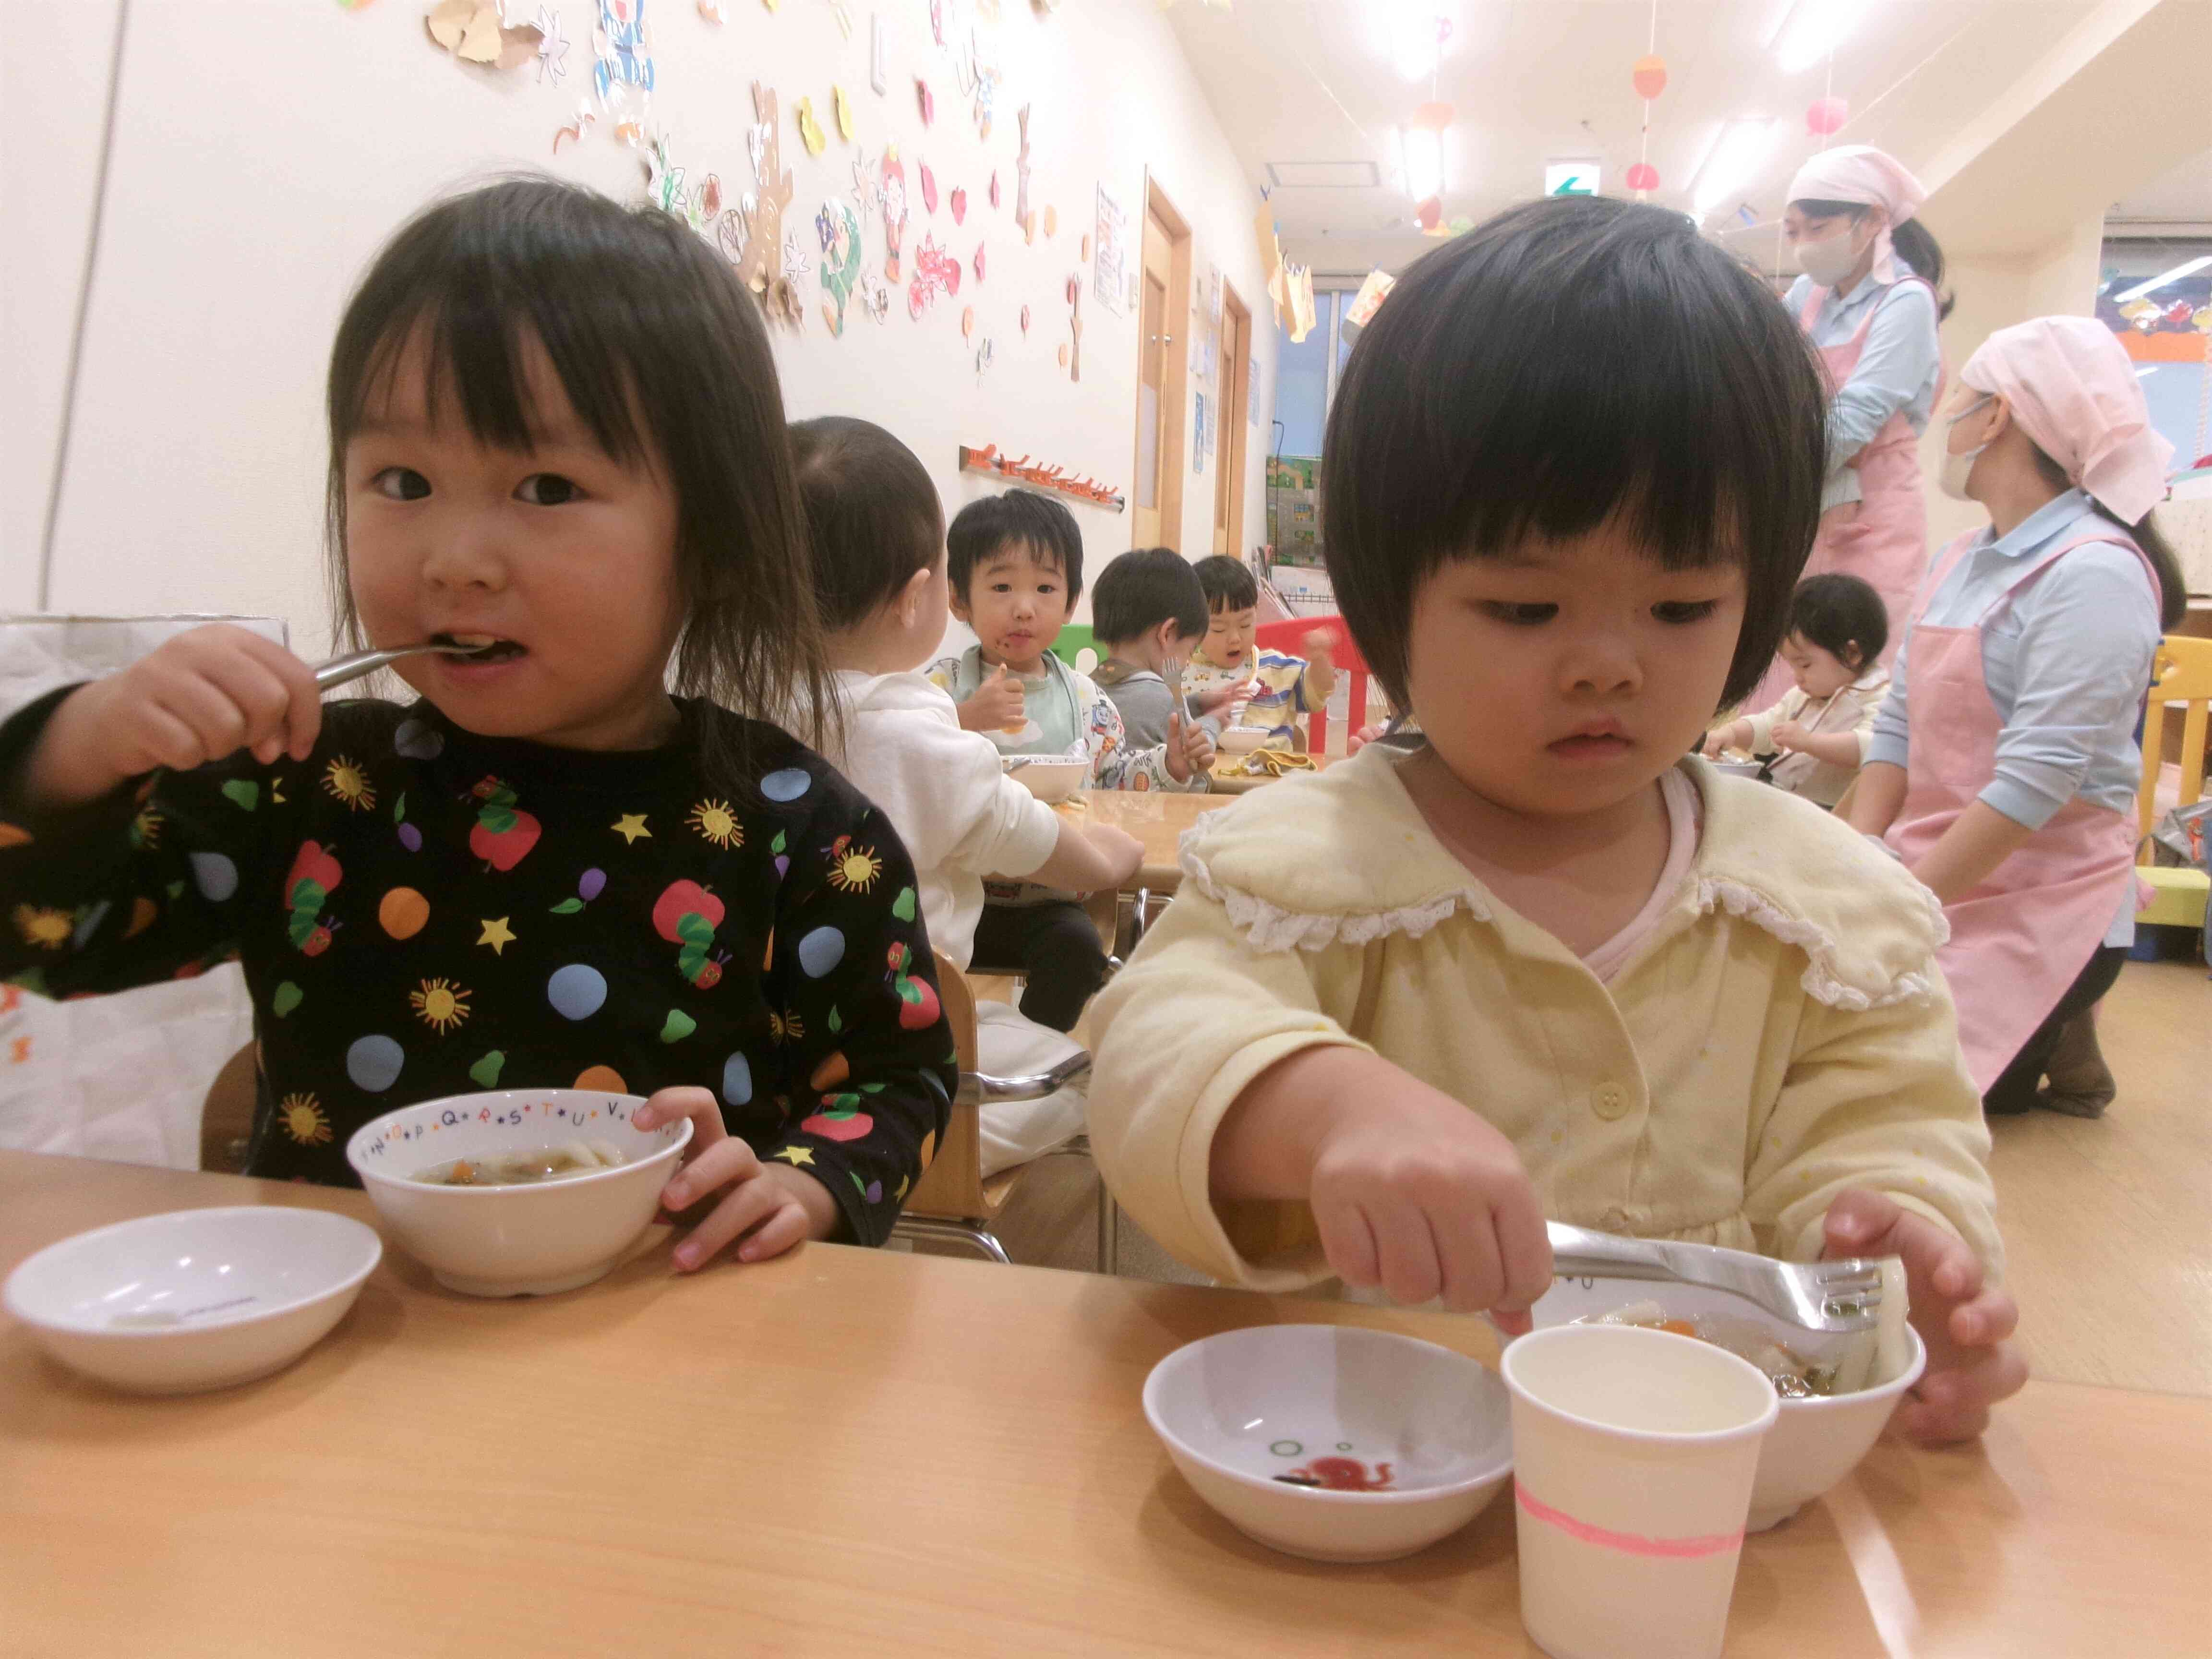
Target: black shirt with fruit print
[422,911]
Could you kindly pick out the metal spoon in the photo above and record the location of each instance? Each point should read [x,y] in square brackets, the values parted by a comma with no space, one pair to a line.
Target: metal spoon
[339,671]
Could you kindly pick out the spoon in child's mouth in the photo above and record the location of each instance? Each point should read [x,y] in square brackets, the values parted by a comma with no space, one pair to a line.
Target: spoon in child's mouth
[339,671]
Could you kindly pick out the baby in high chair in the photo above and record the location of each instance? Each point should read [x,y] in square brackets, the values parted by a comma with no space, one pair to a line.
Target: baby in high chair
[1014,562]
[1401,1012]
[877,536]
[1821,730]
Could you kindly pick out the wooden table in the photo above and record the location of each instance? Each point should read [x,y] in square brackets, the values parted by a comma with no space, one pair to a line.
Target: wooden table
[1158,818]
[845,1452]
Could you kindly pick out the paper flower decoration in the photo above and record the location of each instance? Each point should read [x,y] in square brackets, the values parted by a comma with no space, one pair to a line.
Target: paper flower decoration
[1648,77]
[472,32]
[1642,175]
[1826,116]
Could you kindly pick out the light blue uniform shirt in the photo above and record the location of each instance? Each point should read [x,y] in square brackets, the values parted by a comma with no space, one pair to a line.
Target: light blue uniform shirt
[1897,371]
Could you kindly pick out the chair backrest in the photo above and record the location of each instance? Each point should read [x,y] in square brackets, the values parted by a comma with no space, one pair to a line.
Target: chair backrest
[1073,641]
[951,1188]
[2181,678]
[1290,637]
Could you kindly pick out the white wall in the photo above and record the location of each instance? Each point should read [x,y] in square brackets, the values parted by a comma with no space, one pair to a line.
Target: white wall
[263,149]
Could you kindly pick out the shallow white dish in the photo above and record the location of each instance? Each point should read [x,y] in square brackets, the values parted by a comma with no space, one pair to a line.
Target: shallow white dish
[1241,739]
[1814,1443]
[193,1299]
[1047,778]
[515,1241]
[1738,769]
[1239,1411]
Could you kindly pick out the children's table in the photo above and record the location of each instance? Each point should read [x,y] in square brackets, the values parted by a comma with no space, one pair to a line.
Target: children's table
[847,1451]
[1157,817]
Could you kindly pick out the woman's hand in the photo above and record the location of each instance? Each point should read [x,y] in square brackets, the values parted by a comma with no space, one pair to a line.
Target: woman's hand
[203,695]
[770,1206]
[1963,1321]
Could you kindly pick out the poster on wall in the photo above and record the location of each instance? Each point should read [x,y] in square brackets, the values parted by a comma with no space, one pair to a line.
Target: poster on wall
[1201,435]
[1110,254]
[1252,394]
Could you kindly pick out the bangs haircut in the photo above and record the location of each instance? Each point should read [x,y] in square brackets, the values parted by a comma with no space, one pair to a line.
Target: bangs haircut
[664,357]
[1024,518]
[1143,588]
[1843,616]
[873,517]
[1229,583]
[1570,363]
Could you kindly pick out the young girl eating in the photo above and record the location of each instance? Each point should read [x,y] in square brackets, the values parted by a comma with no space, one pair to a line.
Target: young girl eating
[1818,733]
[1403,1011]
[555,431]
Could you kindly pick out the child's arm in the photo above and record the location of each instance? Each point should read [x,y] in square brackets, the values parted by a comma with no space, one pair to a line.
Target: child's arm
[1180,763]
[1089,858]
[1836,748]
[871,1074]
[1876,1146]
[1736,734]
[1319,680]
[1258,1141]
[104,887]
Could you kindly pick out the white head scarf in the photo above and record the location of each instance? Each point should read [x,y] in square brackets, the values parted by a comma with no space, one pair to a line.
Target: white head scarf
[1871,178]
[2073,390]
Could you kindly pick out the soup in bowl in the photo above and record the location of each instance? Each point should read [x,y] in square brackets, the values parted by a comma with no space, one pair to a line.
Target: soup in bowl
[523,1192]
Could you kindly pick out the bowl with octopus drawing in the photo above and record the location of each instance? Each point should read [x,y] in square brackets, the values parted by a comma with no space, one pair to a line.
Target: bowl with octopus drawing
[1333,1441]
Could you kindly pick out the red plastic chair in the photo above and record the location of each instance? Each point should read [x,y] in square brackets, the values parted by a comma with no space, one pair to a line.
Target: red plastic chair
[1289,638]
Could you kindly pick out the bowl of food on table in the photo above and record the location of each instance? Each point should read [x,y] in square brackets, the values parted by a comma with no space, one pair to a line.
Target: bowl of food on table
[1740,768]
[1333,1441]
[1050,778]
[519,1192]
[1242,739]
[193,1299]
[1837,1391]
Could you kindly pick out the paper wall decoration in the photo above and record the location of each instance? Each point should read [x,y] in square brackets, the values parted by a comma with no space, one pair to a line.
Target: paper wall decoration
[876,296]
[796,262]
[1025,319]
[958,202]
[1022,180]
[762,213]
[838,229]
[574,130]
[994,187]
[867,187]
[891,198]
[935,272]
[1051,220]
[1075,328]
[937,21]
[925,100]
[985,354]
[928,187]
[711,10]
[1271,262]
[810,130]
[552,47]
[1198,419]
[879,80]
[623,48]
[472,32]
[979,262]
[967,323]
[1083,488]
[843,105]
[1109,255]
[1368,300]
[1302,303]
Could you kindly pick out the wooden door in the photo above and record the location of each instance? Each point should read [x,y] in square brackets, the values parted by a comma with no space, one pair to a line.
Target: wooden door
[1235,390]
[1156,496]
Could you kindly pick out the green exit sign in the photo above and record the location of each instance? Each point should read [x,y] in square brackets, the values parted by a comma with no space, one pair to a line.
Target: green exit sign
[1571,178]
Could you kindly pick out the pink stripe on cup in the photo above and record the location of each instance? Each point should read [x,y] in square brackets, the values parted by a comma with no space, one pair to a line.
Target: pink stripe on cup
[1629,1543]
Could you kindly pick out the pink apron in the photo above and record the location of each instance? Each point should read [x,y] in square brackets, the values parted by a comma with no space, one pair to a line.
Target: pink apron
[2019,939]
[1885,542]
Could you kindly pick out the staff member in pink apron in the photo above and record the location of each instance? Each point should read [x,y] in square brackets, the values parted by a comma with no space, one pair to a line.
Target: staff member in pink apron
[2004,764]
[1867,300]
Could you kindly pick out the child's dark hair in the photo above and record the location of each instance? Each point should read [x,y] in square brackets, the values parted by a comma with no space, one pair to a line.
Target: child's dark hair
[1024,516]
[1143,588]
[1842,615]
[1569,362]
[872,515]
[1912,240]
[663,354]
[1229,583]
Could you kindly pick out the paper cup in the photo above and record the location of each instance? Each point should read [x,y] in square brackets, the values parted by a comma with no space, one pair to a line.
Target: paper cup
[1633,1455]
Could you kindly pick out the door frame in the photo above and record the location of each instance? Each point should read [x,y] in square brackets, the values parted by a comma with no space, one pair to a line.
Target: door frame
[1175,367]
[1235,394]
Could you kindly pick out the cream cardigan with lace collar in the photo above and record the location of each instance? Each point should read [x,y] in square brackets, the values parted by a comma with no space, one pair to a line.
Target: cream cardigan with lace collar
[1782,1034]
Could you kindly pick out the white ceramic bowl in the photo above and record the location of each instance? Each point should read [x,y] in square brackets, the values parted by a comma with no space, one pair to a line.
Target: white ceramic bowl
[1241,739]
[515,1241]
[1048,779]
[1239,1411]
[1738,769]
[1814,1443]
[194,1299]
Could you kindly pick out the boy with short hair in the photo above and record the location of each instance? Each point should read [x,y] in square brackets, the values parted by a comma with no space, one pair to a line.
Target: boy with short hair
[1148,612]
[876,539]
[1279,686]
[1015,565]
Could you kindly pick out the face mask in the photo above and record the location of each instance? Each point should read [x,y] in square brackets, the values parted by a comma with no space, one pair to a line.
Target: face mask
[1829,261]
[1953,479]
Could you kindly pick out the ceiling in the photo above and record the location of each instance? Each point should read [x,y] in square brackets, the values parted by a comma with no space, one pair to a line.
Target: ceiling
[1315,81]
[2181,196]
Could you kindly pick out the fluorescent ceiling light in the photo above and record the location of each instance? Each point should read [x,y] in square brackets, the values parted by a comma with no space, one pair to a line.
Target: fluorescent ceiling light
[1421,160]
[1738,153]
[1813,30]
[1408,34]
[2190,269]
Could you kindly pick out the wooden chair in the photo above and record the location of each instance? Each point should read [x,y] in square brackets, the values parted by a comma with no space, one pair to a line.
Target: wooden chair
[953,1203]
[227,1116]
[2181,679]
